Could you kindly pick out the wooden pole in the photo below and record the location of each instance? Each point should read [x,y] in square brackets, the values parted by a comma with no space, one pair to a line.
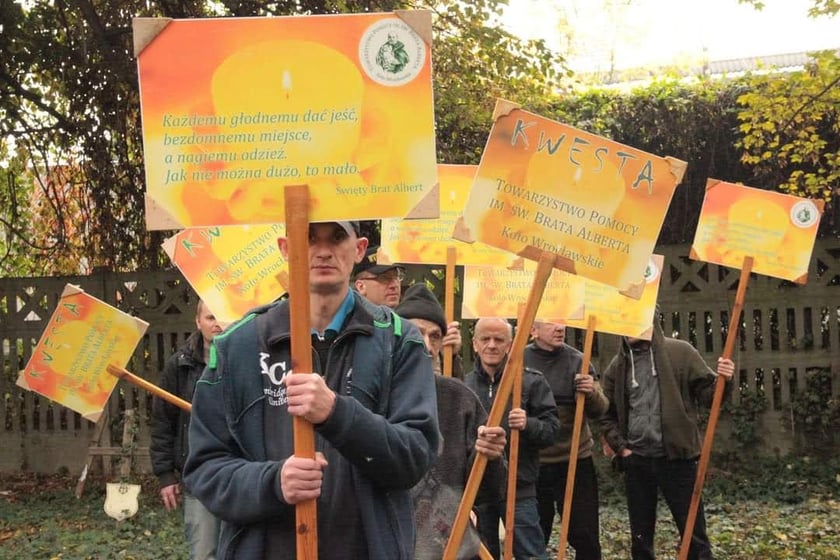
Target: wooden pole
[449,307]
[462,517]
[126,375]
[513,457]
[714,412]
[580,404]
[97,438]
[296,198]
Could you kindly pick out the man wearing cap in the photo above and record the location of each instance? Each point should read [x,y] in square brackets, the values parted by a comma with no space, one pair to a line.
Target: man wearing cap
[461,418]
[381,284]
[374,415]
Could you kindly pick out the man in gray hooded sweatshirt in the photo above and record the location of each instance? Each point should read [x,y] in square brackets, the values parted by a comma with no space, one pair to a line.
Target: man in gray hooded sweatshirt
[654,387]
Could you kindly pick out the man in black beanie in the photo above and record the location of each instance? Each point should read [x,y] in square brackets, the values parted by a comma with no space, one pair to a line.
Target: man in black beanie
[421,306]
[461,418]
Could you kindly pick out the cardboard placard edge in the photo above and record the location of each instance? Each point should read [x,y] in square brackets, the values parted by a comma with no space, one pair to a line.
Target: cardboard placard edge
[420,21]
[145,29]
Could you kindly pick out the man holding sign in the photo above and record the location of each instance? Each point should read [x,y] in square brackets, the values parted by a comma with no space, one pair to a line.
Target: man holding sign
[372,403]
[463,433]
[654,387]
[539,427]
[561,365]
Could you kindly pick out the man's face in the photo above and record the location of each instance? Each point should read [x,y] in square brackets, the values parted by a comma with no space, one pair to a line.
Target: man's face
[206,323]
[332,254]
[381,289]
[492,341]
[548,336]
[431,335]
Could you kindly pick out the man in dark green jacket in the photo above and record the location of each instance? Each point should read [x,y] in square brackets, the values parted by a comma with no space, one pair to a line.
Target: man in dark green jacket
[374,414]
[654,388]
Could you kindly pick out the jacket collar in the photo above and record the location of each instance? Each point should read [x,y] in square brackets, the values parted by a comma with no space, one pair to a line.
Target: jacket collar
[360,319]
[485,375]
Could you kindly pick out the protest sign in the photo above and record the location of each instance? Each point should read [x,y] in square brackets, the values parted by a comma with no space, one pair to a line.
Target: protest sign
[84,336]
[426,241]
[232,268]
[777,230]
[543,186]
[619,314]
[498,292]
[341,103]
[755,231]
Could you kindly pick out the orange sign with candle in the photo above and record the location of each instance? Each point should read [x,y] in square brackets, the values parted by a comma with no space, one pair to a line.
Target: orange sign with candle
[234,109]
[426,241]
[84,335]
[545,186]
[615,313]
[232,268]
[497,292]
[777,230]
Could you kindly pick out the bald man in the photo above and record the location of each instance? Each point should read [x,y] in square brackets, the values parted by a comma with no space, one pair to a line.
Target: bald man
[539,427]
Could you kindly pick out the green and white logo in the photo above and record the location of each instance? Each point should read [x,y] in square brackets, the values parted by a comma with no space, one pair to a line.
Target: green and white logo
[804,214]
[391,53]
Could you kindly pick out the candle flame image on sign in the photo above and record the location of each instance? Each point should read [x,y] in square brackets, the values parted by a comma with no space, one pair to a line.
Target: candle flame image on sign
[226,126]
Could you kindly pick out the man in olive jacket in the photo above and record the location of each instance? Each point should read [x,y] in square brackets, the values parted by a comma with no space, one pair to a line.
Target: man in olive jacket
[654,388]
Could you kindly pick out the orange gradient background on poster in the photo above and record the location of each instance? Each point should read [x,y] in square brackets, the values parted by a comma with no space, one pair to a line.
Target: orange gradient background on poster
[545,186]
[426,241]
[777,230]
[232,268]
[491,291]
[84,335]
[299,65]
[618,314]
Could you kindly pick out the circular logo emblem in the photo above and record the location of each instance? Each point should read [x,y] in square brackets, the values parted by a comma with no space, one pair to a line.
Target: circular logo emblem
[391,53]
[804,214]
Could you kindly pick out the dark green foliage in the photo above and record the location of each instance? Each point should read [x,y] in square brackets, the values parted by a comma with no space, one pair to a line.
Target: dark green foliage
[815,415]
[41,518]
[745,415]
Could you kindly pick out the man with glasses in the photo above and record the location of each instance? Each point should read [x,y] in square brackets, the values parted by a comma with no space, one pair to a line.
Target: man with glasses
[379,283]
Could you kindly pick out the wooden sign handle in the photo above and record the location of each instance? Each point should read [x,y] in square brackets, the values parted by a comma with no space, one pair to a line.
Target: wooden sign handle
[296,199]
[580,404]
[513,458]
[449,308]
[126,375]
[714,412]
[462,517]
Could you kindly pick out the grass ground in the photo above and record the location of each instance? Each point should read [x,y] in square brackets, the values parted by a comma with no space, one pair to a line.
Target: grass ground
[772,509]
